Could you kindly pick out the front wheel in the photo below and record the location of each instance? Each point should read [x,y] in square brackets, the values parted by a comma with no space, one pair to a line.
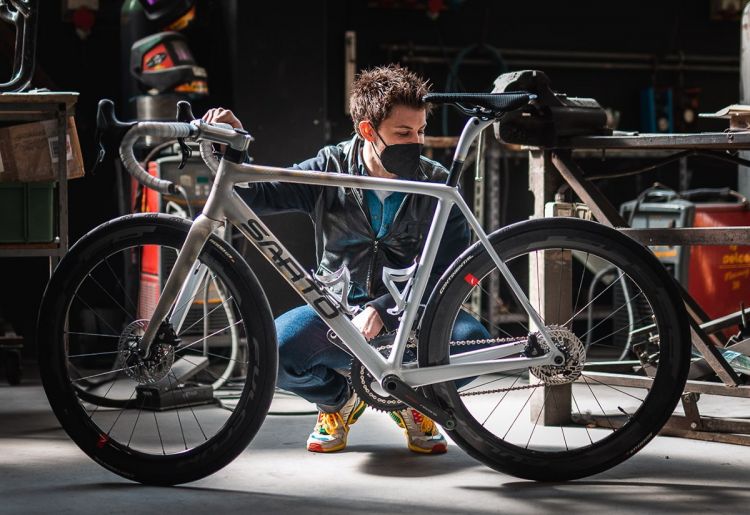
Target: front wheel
[603,291]
[195,402]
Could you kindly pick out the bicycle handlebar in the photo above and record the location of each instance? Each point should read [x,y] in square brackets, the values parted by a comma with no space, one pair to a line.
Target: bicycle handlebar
[186,128]
[170,130]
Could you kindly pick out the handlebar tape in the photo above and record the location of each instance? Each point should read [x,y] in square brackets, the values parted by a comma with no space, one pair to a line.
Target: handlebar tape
[170,130]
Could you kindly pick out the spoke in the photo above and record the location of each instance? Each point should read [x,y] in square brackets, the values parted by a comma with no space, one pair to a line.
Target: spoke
[125,293]
[120,414]
[485,319]
[212,374]
[158,432]
[177,409]
[190,406]
[519,413]
[592,300]
[557,408]
[105,396]
[130,316]
[216,356]
[93,334]
[539,415]
[103,373]
[618,331]
[600,406]
[137,418]
[93,354]
[501,378]
[616,389]
[501,400]
[204,316]
[559,283]
[580,284]
[538,287]
[192,299]
[609,316]
[96,314]
[580,413]
[207,337]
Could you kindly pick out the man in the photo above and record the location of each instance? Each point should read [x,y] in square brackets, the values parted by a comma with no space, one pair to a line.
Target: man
[363,230]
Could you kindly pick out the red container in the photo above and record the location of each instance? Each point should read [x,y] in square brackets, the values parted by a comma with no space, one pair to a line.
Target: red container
[719,276]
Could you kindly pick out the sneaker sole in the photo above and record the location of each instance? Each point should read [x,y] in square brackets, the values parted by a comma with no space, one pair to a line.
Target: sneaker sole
[316,447]
[437,449]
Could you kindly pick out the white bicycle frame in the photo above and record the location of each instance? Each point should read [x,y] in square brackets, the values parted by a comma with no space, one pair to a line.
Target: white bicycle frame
[224,204]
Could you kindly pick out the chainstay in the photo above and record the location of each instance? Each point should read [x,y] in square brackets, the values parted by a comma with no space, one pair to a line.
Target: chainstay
[466,343]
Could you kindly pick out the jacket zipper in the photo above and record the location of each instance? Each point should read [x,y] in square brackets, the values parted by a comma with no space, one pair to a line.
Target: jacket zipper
[370,270]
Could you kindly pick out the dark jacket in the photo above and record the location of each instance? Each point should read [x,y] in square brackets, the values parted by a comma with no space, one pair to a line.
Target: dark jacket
[343,230]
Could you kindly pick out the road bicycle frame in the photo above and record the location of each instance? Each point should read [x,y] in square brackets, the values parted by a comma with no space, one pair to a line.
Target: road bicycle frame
[224,204]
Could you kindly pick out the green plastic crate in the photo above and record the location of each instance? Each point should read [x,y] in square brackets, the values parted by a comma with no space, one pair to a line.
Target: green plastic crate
[27,212]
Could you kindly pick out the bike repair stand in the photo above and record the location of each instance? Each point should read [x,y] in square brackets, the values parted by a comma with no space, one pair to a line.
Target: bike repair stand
[174,390]
[547,165]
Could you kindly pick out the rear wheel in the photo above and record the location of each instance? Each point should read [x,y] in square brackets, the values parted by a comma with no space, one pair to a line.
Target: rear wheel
[563,422]
[198,399]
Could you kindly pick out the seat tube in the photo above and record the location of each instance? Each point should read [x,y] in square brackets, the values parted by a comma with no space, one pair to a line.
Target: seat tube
[439,221]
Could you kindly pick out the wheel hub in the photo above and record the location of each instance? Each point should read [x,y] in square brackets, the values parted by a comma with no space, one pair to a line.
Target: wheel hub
[143,370]
[574,357]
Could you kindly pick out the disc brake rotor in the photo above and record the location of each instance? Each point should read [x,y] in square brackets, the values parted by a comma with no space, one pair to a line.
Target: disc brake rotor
[143,370]
[574,352]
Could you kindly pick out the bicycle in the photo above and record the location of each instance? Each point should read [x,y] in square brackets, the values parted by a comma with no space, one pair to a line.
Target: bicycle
[490,399]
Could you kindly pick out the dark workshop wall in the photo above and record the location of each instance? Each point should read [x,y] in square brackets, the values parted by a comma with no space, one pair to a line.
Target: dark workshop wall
[279,65]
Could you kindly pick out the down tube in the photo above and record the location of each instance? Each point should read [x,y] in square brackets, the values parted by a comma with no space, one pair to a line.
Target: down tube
[303,283]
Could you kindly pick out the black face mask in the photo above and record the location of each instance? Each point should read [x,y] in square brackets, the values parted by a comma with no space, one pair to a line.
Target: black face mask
[401,159]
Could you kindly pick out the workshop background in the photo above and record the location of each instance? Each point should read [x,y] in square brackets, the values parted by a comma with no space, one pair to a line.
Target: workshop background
[283,67]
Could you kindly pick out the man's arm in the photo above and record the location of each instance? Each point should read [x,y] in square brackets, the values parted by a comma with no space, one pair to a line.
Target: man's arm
[279,197]
[273,197]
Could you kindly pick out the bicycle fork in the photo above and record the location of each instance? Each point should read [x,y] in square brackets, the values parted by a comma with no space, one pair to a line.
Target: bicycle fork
[176,286]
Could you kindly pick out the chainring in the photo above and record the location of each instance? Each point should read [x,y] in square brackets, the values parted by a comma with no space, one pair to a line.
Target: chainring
[362,380]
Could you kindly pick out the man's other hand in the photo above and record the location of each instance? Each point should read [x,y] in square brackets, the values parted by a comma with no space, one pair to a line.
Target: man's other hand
[221,115]
[368,322]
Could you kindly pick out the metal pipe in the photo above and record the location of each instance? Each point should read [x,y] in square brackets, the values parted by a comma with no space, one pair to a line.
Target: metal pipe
[743,172]
[571,54]
[592,65]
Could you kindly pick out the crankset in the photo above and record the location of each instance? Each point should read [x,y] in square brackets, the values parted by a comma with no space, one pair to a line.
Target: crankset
[362,381]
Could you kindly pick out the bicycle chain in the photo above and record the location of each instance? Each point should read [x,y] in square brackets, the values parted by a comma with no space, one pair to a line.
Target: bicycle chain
[465,343]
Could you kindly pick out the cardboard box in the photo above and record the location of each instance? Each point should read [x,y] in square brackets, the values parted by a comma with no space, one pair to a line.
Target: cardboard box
[28,152]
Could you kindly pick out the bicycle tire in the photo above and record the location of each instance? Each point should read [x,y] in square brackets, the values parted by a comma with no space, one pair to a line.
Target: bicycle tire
[86,423]
[666,343]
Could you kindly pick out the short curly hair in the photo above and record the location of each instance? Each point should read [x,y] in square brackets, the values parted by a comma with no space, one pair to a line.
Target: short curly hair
[375,92]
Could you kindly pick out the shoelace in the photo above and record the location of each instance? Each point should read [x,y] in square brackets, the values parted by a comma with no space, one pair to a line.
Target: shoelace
[426,425]
[330,421]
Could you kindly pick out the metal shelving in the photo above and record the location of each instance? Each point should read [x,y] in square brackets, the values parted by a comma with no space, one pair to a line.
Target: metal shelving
[39,106]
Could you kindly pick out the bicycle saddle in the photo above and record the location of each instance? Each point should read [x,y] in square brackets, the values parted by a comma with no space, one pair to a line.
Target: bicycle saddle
[482,104]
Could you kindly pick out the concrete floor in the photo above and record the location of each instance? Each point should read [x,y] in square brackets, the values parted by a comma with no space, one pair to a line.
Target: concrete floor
[42,471]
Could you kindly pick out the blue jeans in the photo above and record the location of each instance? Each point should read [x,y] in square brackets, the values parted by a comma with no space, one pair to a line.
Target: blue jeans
[308,361]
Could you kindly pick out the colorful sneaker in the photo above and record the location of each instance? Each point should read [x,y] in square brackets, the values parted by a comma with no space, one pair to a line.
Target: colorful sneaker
[422,433]
[332,429]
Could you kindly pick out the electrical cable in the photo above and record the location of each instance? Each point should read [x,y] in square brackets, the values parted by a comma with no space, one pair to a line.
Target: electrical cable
[453,73]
